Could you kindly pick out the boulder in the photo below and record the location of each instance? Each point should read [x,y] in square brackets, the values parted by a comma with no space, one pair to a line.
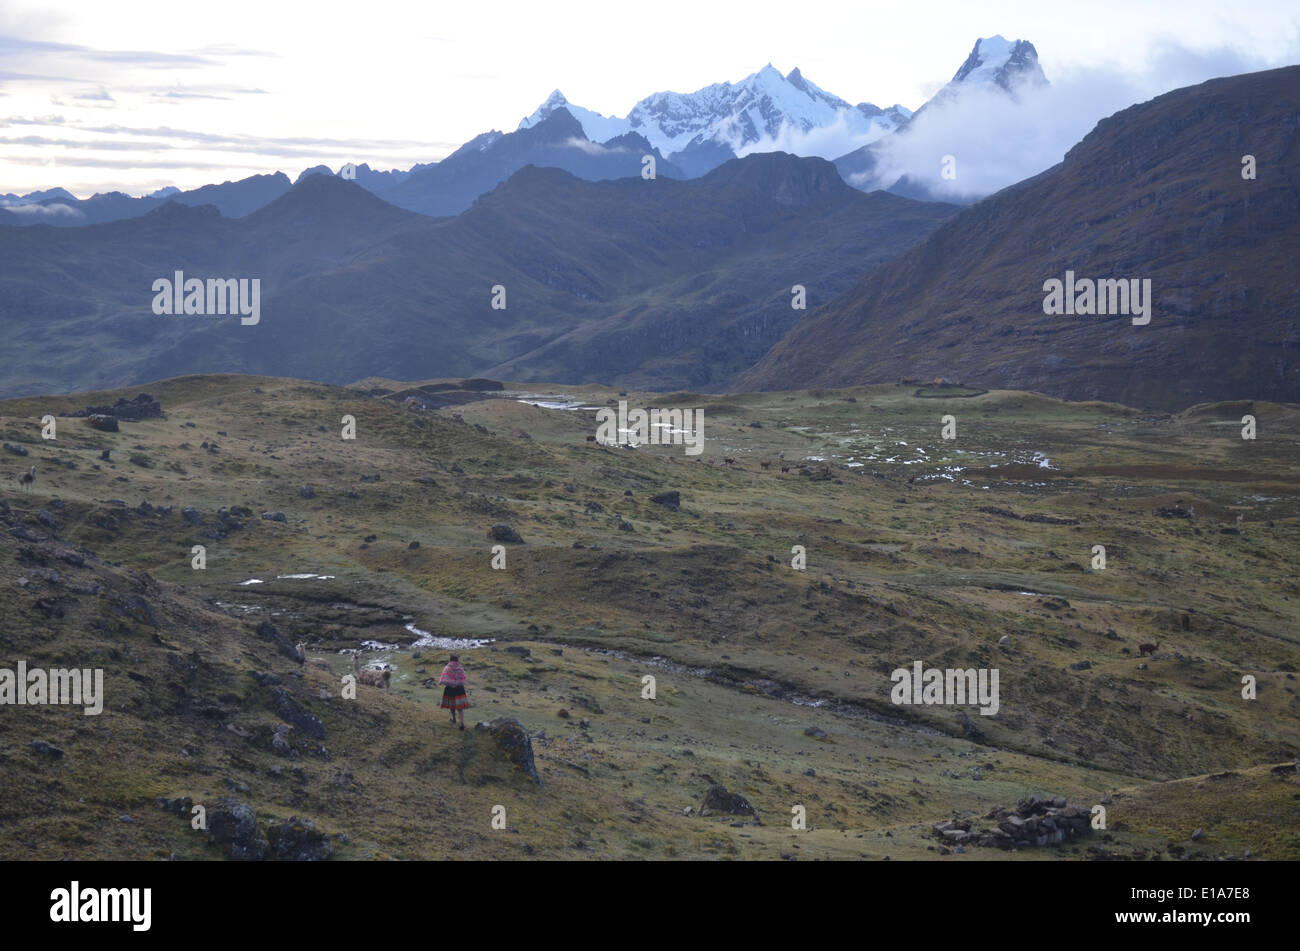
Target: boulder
[669,500]
[718,799]
[504,533]
[291,711]
[102,422]
[513,740]
[298,840]
[232,826]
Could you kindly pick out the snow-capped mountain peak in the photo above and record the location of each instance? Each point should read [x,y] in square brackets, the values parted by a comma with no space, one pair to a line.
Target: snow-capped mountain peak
[597,127]
[765,109]
[996,59]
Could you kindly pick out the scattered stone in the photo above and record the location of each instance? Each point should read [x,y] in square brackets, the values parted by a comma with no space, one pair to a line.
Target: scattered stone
[192,515]
[1081,665]
[49,749]
[274,517]
[815,732]
[413,546]
[307,492]
[180,806]
[132,607]
[16,450]
[504,533]
[143,406]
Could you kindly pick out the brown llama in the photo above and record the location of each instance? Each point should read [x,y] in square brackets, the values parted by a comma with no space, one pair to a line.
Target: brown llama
[375,678]
[27,479]
[1145,649]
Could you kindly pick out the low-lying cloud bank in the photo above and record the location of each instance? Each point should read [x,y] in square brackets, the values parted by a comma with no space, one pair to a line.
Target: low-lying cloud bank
[996,140]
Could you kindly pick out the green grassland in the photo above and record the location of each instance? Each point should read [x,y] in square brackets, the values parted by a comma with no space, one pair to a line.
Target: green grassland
[917,547]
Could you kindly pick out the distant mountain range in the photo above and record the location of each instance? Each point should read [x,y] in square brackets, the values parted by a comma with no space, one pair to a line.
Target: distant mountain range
[688,134]
[681,282]
[58,207]
[702,129]
[1155,192]
[667,283]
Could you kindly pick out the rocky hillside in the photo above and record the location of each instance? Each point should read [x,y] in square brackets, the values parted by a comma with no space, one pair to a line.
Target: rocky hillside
[772,683]
[1156,193]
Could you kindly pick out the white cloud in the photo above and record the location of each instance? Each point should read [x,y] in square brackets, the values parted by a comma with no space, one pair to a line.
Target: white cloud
[844,135]
[57,210]
[997,140]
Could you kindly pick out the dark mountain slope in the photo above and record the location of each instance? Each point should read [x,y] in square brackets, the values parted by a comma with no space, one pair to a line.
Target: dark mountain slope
[699,273]
[558,141]
[1155,191]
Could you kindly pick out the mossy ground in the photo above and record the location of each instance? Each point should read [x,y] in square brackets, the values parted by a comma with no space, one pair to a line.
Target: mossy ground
[918,548]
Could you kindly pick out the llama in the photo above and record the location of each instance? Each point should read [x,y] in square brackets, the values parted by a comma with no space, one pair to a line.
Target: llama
[301,651]
[375,678]
[765,465]
[1145,649]
[27,479]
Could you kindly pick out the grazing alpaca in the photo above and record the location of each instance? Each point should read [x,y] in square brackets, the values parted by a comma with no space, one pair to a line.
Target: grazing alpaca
[375,678]
[765,465]
[27,478]
[729,461]
[301,651]
[1145,649]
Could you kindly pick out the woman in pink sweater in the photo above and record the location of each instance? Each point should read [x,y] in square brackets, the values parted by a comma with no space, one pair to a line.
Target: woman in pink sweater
[454,697]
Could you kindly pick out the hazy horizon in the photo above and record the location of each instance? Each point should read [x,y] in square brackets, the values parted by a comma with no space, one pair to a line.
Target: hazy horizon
[98,99]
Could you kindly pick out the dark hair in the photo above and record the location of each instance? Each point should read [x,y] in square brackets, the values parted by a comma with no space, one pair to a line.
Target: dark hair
[456,658]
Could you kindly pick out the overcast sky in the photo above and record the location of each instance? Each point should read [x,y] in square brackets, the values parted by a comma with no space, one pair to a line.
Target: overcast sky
[136,94]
